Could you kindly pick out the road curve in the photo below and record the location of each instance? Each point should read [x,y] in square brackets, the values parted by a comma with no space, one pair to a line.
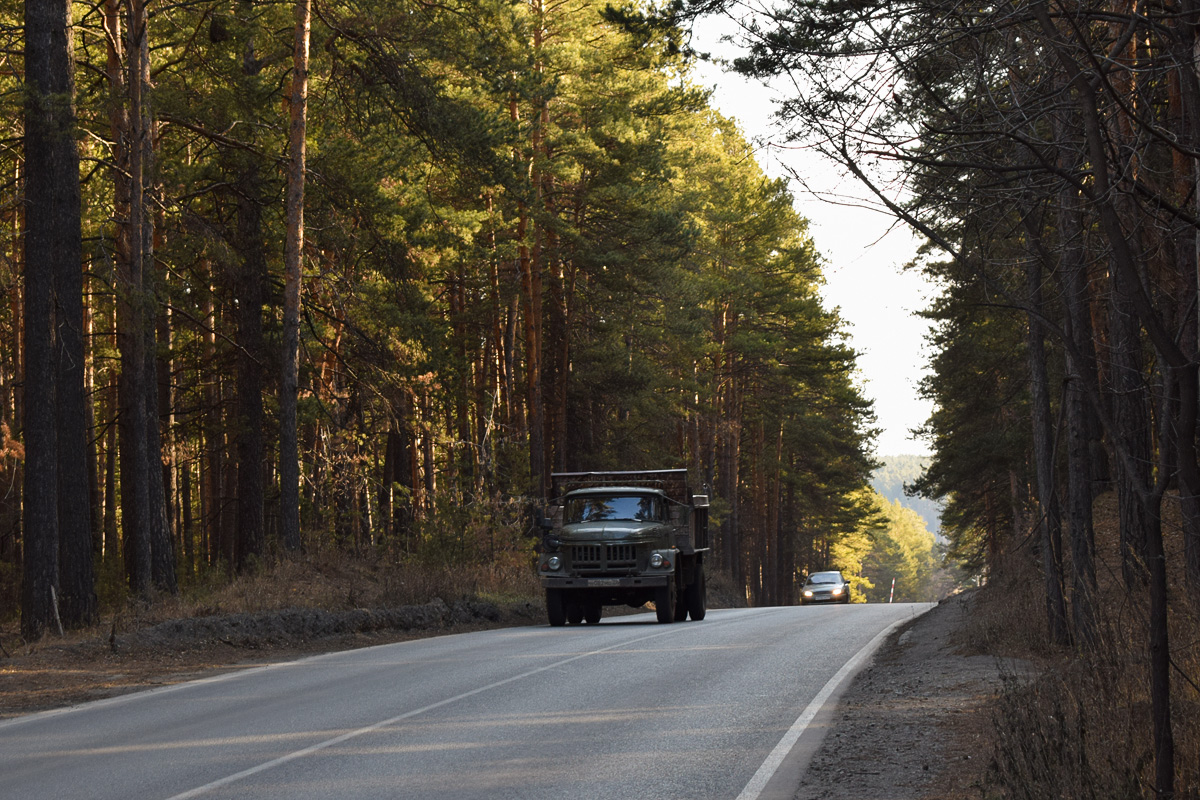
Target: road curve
[624,709]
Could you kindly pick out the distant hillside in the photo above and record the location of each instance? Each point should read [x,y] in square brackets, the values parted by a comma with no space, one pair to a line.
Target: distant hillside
[889,481]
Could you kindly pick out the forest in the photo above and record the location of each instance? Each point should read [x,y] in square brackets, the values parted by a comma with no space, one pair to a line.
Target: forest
[1049,153]
[359,275]
[893,477]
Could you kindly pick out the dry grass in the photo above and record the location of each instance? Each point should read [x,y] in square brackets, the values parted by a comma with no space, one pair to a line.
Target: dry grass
[475,549]
[1082,727]
[327,578]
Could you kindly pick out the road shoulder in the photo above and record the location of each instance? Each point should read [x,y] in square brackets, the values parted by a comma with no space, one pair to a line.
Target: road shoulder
[913,725]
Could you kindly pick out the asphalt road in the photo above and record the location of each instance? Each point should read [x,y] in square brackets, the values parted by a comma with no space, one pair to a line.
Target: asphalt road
[625,709]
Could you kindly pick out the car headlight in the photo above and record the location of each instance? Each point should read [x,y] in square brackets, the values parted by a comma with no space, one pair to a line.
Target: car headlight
[553,563]
[837,591]
[808,592]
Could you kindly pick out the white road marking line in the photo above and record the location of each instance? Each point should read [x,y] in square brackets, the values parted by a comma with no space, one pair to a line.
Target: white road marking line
[236,673]
[319,746]
[765,772]
[137,695]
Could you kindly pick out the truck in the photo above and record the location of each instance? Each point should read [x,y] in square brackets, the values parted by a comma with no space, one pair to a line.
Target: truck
[623,538]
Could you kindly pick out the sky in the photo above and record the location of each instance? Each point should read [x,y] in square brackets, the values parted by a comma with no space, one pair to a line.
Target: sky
[864,250]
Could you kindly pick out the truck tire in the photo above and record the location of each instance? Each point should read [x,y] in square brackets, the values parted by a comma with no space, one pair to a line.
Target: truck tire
[556,607]
[574,613]
[681,606]
[696,596]
[664,602]
[592,613]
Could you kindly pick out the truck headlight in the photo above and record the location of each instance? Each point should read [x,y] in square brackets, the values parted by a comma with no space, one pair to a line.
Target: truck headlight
[659,561]
[553,563]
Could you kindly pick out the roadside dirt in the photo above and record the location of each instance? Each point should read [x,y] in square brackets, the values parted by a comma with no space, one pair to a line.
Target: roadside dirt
[915,723]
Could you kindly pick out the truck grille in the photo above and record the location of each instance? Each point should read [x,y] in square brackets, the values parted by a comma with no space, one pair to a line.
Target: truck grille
[586,556]
[622,556]
[603,558]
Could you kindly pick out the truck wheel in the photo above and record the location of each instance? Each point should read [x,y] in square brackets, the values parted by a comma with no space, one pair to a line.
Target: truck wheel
[556,607]
[681,603]
[574,613]
[592,613]
[696,596]
[664,602]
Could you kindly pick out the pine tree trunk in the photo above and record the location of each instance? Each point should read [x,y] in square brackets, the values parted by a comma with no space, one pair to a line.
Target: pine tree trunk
[1130,403]
[1081,376]
[76,578]
[112,542]
[531,296]
[77,593]
[132,313]
[229,540]
[13,415]
[1129,396]
[1050,512]
[531,278]
[462,455]
[119,132]
[212,486]
[289,458]
[1189,183]
[503,354]
[558,349]
[788,527]
[52,245]
[162,546]
[95,474]
[405,475]
[731,469]
[387,484]
[1160,659]
[774,528]
[186,528]
[252,269]
[1079,481]
[164,370]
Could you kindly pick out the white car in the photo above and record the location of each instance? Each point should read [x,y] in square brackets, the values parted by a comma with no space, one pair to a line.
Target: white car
[825,587]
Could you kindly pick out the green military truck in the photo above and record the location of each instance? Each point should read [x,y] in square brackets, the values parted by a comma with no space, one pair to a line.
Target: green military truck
[624,538]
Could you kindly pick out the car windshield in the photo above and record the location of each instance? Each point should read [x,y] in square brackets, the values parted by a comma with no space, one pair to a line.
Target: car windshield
[601,507]
[825,577]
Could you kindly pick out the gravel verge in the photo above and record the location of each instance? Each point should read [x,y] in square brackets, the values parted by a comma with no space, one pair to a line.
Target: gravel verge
[915,723]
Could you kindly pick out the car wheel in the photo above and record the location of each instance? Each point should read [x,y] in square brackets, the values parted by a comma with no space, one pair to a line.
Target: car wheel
[556,608]
[664,602]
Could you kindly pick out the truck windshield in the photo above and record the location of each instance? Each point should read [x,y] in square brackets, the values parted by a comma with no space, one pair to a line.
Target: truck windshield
[596,508]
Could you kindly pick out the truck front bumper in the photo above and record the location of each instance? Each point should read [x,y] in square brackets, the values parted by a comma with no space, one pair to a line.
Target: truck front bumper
[635,582]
